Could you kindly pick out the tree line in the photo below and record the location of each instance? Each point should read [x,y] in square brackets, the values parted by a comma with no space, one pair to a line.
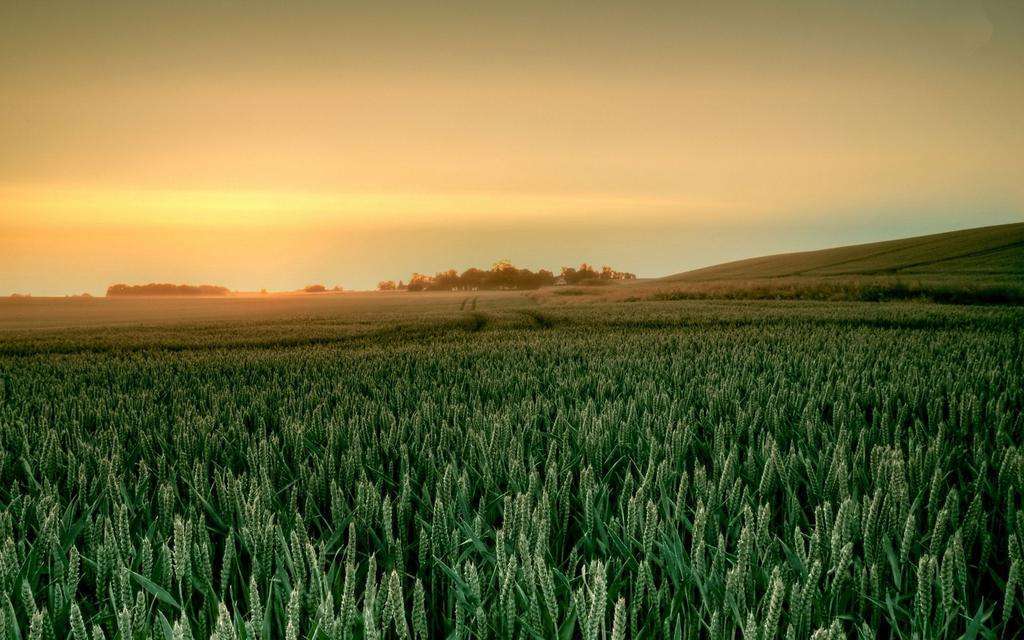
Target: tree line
[319,288]
[504,275]
[166,289]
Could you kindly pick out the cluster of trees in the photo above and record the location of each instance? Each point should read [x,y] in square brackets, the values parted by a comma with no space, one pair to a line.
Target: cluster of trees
[166,289]
[319,288]
[587,274]
[504,275]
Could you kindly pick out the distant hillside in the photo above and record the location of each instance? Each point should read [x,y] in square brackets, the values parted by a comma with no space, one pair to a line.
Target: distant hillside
[166,289]
[974,266]
[995,251]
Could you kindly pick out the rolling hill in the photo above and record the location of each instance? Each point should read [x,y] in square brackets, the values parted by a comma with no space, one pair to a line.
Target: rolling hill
[985,251]
[973,266]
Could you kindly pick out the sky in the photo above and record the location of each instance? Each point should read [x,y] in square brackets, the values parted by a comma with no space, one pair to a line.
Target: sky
[273,145]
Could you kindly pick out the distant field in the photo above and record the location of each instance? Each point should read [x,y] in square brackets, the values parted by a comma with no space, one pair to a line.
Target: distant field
[994,251]
[50,313]
[509,466]
[975,266]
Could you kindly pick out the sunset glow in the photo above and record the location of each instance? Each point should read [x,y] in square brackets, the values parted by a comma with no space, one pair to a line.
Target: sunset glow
[323,142]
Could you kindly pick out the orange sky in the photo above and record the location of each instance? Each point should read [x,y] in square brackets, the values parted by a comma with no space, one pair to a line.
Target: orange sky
[272,145]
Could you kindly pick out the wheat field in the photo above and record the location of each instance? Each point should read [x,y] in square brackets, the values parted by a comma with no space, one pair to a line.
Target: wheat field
[507,470]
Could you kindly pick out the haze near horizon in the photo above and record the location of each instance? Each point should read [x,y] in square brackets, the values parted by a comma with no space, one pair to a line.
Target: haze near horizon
[270,146]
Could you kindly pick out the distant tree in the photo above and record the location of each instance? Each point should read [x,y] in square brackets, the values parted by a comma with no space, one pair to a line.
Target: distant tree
[544,278]
[505,275]
[166,289]
[607,273]
[314,288]
[446,280]
[584,273]
[386,285]
[473,278]
[420,282]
